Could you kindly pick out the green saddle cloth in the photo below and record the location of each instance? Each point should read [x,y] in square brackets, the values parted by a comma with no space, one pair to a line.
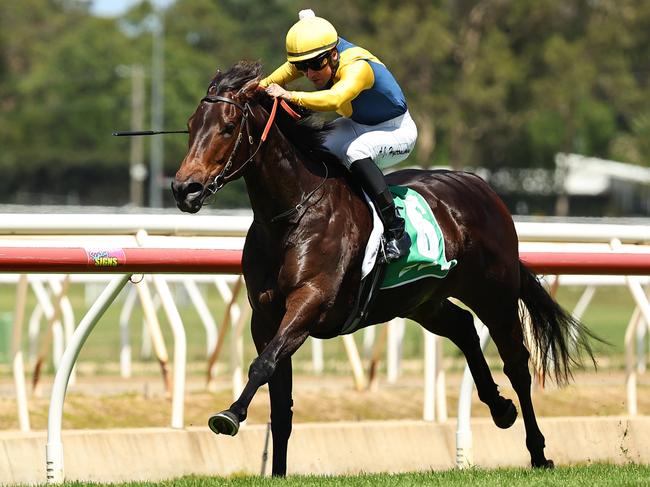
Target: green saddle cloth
[426,257]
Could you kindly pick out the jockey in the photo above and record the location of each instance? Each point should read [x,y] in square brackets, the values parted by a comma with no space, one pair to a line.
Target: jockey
[375,131]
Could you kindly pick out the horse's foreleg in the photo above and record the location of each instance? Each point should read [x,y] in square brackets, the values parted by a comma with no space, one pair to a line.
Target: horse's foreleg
[260,372]
[263,329]
[280,387]
[302,310]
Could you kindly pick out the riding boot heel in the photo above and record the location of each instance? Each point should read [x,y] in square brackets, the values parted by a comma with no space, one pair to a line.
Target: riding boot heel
[398,241]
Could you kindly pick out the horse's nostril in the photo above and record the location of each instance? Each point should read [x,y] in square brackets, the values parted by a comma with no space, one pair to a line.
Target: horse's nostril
[186,189]
[194,188]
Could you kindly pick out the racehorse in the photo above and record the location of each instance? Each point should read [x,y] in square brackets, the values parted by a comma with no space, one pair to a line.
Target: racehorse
[303,253]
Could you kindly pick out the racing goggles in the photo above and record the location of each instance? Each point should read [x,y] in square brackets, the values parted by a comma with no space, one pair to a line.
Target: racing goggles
[315,64]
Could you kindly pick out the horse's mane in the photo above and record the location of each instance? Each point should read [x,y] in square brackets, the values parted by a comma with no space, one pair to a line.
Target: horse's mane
[306,134]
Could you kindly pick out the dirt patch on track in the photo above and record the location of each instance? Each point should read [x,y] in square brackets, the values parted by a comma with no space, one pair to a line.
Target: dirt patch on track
[111,402]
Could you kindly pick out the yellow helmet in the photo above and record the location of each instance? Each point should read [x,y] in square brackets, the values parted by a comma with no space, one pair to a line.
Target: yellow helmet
[309,37]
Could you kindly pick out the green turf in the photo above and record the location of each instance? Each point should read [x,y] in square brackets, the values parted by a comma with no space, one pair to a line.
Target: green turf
[592,475]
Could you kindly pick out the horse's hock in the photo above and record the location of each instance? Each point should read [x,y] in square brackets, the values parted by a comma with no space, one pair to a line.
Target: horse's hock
[317,448]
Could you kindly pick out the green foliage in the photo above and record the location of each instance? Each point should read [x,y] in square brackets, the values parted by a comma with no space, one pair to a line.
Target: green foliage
[490,83]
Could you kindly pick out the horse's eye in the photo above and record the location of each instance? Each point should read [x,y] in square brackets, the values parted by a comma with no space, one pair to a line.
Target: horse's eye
[229,128]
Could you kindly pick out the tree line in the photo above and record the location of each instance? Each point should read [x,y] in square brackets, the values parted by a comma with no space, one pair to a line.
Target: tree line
[491,83]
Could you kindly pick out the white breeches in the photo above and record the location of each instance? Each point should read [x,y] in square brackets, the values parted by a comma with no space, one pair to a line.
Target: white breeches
[386,143]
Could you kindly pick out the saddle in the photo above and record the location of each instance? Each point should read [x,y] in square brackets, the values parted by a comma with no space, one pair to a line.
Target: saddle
[426,257]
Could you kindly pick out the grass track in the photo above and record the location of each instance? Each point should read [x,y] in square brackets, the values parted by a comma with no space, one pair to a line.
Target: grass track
[591,475]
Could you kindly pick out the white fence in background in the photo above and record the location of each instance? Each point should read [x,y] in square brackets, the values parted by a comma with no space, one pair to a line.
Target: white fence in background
[222,232]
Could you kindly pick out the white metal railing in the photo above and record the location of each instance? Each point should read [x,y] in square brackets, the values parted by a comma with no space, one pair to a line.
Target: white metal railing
[123,224]
[227,232]
[237,225]
[54,447]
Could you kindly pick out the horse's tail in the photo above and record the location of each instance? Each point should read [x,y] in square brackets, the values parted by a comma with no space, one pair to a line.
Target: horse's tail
[558,339]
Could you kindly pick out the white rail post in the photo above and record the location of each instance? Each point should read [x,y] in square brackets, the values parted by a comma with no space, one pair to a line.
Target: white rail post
[317,355]
[377,351]
[33,330]
[227,322]
[237,352]
[229,296]
[146,344]
[59,332]
[583,302]
[17,354]
[428,410]
[630,370]
[630,363]
[65,312]
[53,333]
[634,284]
[153,326]
[464,454]
[435,394]
[202,309]
[153,329]
[369,334]
[238,319]
[441,387]
[54,447]
[355,362]
[180,350]
[641,332]
[394,349]
[125,340]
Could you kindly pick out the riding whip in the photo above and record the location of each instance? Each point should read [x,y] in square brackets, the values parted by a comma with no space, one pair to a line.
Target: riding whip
[149,132]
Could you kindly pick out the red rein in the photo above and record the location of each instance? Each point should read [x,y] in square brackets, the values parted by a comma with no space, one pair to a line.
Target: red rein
[274,109]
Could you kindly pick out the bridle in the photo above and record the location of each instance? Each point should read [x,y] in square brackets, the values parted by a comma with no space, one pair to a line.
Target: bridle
[222,178]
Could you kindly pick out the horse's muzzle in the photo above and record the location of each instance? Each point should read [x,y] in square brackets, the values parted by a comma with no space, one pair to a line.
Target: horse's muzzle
[188,194]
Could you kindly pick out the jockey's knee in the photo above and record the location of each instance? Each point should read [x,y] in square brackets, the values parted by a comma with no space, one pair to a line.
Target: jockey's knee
[356,152]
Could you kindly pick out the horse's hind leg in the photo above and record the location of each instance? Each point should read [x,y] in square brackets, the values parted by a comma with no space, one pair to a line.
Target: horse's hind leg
[457,324]
[506,332]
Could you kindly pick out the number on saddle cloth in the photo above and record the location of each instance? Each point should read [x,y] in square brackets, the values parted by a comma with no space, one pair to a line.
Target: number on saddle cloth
[426,257]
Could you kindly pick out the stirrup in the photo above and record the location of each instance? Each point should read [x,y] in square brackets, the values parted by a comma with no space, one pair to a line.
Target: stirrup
[395,249]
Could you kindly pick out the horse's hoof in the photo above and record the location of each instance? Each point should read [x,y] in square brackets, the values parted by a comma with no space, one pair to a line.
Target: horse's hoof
[544,464]
[507,418]
[225,423]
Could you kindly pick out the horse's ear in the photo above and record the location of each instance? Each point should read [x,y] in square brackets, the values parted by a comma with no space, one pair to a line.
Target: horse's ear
[247,92]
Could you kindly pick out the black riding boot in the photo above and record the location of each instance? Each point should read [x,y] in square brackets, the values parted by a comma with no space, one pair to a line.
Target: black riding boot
[372,181]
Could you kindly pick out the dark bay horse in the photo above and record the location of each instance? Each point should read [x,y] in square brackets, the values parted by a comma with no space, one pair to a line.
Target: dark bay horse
[303,253]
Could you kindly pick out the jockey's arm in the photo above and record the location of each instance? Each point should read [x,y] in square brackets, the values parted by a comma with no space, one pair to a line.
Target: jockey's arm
[354,78]
[286,73]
